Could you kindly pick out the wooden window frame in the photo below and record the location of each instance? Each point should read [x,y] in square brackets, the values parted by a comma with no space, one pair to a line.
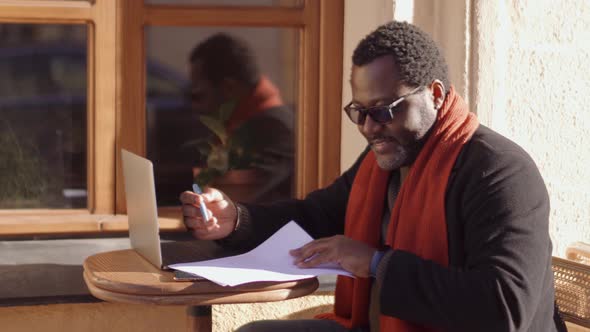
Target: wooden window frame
[116,96]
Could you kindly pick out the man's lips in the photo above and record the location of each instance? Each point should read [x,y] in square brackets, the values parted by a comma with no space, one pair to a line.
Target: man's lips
[383,144]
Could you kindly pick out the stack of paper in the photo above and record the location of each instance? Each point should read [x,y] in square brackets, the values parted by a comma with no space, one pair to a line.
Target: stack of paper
[270,261]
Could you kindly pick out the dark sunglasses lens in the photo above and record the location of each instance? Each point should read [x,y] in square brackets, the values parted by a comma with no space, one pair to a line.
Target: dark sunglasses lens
[380,114]
[356,116]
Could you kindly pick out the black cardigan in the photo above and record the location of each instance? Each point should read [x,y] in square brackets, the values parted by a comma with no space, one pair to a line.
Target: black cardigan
[497,209]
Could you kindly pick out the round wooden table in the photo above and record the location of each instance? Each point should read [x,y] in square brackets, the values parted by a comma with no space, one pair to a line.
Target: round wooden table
[124,276]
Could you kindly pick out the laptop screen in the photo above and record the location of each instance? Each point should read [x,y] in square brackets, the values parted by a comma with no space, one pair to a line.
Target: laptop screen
[142,210]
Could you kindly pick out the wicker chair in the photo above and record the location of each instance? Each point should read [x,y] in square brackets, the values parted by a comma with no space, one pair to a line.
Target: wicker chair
[572,287]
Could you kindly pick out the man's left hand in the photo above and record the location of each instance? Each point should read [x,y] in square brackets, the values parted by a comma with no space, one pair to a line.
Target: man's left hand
[353,256]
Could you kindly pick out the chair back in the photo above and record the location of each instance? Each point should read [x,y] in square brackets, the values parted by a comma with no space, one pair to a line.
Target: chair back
[572,290]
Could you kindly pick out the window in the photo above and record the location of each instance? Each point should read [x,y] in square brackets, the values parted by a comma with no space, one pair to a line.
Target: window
[180,144]
[114,84]
[43,111]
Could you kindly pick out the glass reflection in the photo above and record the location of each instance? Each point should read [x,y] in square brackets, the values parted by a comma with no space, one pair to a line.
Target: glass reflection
[236,131]
[42,116]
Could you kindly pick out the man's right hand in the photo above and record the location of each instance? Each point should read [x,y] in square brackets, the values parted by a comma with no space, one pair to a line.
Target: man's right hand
[222,214]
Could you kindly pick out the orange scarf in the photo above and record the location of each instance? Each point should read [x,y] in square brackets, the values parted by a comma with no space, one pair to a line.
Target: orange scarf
[417,225]
[264,96]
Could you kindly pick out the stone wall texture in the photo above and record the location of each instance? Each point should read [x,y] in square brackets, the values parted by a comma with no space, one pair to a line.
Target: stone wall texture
[532,59]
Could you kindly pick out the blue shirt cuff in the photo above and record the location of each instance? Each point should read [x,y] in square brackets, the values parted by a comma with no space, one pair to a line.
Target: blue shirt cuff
[375,262]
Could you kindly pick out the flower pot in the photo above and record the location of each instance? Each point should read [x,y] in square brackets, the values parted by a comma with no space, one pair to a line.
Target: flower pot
[241,185]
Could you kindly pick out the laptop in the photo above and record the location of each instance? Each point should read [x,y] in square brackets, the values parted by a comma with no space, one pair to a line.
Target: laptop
[142,210]
[142,213]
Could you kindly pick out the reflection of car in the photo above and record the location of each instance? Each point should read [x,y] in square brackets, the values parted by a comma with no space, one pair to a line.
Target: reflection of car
[43,102]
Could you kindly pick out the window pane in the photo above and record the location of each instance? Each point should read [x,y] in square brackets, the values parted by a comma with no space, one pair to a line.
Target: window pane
[279,3]
[42,116]
[231,123]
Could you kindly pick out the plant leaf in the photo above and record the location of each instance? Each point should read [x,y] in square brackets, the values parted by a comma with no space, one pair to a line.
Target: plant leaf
[194,143]
[226,110]
[215,126]
[206,176]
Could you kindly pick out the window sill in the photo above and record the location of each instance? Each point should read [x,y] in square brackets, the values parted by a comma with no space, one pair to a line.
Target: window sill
[79,222]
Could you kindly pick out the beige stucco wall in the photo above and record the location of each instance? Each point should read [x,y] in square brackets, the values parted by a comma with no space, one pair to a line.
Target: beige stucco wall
[230,317]
[530,84]
[524,67]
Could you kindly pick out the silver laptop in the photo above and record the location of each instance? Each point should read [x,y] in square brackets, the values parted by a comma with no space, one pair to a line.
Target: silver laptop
[144,230]
[142,209]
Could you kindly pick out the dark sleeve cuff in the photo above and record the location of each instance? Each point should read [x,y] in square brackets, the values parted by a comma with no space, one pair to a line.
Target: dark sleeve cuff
[382,266]
[242,230]
[377,256]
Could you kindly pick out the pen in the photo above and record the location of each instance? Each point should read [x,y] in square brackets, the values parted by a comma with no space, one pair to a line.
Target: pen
[202,206]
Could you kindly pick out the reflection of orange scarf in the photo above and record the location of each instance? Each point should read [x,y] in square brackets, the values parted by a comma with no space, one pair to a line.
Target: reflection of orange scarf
[264,96]
[417,223]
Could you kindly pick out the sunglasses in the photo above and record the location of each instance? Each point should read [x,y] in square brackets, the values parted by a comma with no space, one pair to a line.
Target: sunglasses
[380,114]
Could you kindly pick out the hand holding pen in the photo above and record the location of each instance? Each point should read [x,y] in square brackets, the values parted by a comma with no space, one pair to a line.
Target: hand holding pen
[208,215]
[202,206]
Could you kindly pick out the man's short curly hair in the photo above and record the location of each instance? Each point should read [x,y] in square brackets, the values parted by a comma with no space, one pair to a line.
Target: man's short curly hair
[415,54]
[225,56]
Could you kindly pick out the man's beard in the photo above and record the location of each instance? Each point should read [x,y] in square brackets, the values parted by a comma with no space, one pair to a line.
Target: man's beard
[403,156]
[406,154]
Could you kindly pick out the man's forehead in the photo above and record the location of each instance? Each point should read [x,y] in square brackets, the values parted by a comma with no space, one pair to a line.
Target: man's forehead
[379,63]
[382,69]
[374,81]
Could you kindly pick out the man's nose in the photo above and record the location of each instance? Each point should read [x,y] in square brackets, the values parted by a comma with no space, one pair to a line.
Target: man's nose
[371,126]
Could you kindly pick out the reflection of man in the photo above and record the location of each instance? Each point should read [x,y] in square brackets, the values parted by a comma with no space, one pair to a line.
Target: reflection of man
[224,72]
[443,222]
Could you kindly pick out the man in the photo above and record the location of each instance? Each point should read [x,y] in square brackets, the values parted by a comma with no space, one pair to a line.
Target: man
[443,222]
[224,74]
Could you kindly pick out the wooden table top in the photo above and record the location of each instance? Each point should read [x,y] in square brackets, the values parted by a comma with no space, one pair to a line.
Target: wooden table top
[125,276]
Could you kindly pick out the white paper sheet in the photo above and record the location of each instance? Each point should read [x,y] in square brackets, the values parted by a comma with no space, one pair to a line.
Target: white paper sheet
[270,261]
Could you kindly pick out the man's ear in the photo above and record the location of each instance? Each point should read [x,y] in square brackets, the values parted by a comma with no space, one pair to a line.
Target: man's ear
[438,91]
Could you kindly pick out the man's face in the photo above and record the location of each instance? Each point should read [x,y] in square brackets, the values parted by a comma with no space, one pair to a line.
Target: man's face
[205,97]
[397,143]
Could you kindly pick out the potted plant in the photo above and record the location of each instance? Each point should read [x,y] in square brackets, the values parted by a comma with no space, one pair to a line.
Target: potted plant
[231,157]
